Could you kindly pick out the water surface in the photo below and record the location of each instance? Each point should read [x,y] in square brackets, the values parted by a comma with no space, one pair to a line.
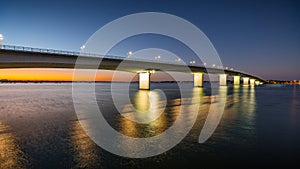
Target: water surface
[260,126]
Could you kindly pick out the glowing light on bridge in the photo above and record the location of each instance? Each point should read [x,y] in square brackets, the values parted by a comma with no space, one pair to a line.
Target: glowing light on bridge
[198,79]
[129,54]
[178,60]
[1,38]
[157,58]
[144,80]
[245,80]
[152,71]
[236,80]
[252,81]
[192,62]
[82,48]
[223,79]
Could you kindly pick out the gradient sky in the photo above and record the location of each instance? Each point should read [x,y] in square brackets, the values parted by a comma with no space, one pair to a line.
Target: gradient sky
[259,37]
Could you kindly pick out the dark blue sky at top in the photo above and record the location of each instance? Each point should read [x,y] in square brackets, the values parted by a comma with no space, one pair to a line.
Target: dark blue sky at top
[260,37]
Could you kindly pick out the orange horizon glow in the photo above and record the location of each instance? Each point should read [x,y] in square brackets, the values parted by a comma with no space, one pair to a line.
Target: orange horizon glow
[39,74]
[55,74]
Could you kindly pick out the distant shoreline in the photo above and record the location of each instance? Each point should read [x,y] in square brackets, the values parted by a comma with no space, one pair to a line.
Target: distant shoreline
[49,81]
[4,81]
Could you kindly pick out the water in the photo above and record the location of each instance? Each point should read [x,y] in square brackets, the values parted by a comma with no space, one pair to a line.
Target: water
[259,127]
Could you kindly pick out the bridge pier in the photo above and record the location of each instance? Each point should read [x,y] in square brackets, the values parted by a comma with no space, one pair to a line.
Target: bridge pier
[198,79]
[246,80]
[223,79]
[144,81]
[236,80]
[252,82]
[257,82]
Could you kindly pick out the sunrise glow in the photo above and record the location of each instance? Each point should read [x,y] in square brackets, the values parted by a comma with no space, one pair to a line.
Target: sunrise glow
[56,75]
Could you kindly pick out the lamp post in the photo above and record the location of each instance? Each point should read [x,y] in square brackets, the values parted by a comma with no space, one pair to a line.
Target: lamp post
[178,60]
[1,38]
[129,54]
[192,62]
[82,49]
[157,58]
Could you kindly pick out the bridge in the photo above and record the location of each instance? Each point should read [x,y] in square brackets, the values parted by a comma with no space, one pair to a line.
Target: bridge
[27,57]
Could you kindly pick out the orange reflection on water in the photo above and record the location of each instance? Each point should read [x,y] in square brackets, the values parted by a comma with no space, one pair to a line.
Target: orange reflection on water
[234,102]
[249,101]
[242,101]
[10,154]
[149,105]
[218,103]
[85,155]
[148,114]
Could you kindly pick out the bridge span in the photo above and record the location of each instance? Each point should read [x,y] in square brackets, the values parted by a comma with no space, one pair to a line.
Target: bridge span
[26,57]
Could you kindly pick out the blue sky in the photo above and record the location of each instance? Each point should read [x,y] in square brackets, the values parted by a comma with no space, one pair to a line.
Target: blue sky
[260,37]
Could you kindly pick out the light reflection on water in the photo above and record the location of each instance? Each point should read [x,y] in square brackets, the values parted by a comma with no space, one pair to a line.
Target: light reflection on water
[10,154]
[151,107]
[147,107]
[39,129]
[148,113]
[84,154]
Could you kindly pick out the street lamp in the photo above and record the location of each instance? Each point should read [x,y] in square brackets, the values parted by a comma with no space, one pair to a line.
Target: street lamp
[1,38]
[82,48]
[192,62]
[129,54]
[157,58]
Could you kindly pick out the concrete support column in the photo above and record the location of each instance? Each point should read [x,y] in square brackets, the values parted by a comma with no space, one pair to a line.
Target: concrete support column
[223,79]
[257,82]
[198,79]
[252,81]
[144,80]
[236,80]
[245,80]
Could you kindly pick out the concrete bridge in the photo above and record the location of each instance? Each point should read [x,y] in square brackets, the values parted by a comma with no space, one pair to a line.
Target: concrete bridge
[26,57]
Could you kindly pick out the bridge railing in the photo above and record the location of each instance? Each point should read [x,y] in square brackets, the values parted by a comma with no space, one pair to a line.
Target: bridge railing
[40,50]
[54,51]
